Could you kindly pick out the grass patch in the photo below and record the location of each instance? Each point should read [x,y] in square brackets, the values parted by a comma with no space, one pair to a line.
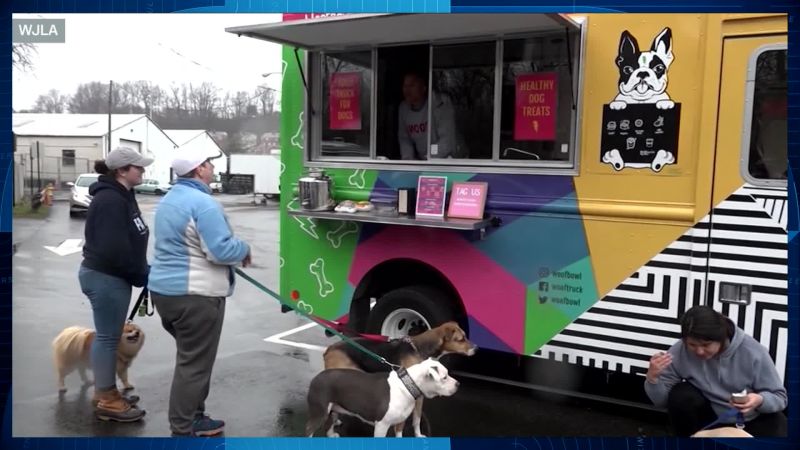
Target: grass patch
[23,210]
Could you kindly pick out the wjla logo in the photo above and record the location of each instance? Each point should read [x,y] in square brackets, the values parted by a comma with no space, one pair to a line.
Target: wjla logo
[38,30]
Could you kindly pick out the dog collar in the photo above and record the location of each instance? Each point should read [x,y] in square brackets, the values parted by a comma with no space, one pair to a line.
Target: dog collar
[412,387]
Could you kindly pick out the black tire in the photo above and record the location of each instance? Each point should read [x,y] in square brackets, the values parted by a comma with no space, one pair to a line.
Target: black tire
[159,192]
[429,302]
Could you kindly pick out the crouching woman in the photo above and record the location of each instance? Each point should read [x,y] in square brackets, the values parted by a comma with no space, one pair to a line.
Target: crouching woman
[714,359]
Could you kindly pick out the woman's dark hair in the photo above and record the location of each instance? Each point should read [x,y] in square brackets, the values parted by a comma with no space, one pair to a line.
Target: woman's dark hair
[705,324]
[101,167]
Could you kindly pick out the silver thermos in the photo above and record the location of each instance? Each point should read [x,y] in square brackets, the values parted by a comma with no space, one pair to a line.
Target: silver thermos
[316,191]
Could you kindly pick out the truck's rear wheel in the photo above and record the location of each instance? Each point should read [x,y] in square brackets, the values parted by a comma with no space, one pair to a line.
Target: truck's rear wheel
[409,311]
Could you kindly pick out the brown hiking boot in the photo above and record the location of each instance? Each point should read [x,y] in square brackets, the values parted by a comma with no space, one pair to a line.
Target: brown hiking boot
[131,399]
[112,406]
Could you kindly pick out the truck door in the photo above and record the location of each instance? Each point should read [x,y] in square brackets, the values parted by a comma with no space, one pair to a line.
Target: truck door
[747,254]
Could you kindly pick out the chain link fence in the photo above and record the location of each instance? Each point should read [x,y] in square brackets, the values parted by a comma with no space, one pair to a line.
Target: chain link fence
[32,174]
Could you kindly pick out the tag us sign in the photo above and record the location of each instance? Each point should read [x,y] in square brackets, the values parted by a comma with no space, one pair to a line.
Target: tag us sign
[38,31]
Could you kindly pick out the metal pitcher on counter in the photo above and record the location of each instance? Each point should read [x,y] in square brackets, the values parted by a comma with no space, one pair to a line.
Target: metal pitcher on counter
[316,191]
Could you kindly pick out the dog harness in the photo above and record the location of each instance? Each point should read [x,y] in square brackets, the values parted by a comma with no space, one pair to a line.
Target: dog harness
[412,387]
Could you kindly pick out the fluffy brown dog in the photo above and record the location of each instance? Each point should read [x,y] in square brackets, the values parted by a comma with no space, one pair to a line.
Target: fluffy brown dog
[434,343]
[72,349]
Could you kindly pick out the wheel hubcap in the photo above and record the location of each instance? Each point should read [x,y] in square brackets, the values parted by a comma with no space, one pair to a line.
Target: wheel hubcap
[402,322]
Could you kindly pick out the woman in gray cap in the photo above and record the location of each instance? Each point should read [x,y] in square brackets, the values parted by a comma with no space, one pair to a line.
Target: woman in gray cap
[114,260]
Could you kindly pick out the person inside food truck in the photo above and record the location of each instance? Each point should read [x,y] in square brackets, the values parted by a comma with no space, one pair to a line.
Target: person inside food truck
[412,130]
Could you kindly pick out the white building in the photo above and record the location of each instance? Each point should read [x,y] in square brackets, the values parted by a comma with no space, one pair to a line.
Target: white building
[68,144]
[200,140]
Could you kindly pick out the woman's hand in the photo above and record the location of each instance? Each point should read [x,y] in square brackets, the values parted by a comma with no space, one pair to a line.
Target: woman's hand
[658,363]
[753,401]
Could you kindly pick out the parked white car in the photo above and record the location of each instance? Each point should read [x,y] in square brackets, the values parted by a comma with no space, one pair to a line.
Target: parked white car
[154,187]
[79,198]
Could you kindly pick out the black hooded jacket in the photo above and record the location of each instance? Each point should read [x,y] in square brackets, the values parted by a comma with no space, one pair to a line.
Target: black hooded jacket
[116,235]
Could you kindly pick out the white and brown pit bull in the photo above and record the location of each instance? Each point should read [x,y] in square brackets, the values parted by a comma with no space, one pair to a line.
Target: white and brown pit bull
[379,399]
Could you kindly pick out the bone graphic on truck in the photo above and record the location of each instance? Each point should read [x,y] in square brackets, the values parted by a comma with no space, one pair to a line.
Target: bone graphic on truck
[305,307]
[299,134]
[317,268]
[336,236]
[357,178]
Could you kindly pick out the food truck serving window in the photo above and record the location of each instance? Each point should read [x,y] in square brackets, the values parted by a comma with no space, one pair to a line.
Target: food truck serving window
[411,90]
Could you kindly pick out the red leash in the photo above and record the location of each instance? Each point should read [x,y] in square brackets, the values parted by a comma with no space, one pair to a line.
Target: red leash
[342,328]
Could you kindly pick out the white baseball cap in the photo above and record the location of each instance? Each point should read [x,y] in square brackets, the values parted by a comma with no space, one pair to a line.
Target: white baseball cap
[188,160]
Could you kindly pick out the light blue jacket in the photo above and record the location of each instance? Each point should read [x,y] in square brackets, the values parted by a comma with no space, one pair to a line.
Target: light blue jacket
[195,249]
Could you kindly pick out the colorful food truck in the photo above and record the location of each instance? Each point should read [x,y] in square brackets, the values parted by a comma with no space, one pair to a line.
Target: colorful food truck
[624,168]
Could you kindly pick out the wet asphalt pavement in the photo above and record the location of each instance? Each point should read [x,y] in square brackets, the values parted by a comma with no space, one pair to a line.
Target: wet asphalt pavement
[258,387]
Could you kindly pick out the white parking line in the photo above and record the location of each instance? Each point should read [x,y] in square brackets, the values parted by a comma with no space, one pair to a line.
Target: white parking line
[278,338]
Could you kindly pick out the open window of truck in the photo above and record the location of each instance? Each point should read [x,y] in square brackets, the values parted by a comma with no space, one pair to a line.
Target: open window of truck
[504,96]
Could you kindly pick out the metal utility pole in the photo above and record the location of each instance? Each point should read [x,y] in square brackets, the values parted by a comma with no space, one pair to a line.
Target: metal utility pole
[31,161]
[110,104]
[38,167]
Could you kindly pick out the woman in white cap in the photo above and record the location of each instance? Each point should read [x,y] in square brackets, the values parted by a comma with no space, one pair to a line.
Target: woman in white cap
[114,260]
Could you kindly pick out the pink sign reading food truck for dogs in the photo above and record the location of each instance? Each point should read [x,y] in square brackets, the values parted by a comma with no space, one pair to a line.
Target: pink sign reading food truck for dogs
[467,200]
[535,109]
[345,101]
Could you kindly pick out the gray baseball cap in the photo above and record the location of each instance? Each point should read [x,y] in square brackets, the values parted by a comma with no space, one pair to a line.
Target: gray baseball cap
[126,156]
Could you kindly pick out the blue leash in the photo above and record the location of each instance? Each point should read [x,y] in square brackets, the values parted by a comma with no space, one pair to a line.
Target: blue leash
[725,416]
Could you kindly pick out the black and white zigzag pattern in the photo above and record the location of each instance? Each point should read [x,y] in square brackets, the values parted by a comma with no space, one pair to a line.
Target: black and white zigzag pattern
[747,244]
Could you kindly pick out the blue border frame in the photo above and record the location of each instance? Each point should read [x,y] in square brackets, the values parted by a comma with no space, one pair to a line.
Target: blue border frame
[352,6]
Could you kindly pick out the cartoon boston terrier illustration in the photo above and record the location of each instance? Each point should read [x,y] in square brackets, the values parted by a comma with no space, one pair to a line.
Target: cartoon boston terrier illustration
[643,75]
[643,80]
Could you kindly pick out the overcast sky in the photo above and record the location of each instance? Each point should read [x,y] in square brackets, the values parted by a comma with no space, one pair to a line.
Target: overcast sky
[162,48]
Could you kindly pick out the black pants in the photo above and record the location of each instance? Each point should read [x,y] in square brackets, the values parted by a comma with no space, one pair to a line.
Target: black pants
[690,411]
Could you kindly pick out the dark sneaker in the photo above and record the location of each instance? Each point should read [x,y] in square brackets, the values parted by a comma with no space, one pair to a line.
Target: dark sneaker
[206,426]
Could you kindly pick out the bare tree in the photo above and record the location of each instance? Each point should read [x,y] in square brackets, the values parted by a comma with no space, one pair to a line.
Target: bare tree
[22,56]
[149,96]
[266,97]
[239,104]
[90,98]
[52,102]
[177,101]
[204,99]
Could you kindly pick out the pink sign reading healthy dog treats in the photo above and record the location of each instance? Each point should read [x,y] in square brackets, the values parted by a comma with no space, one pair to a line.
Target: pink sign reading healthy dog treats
[535,111]
[467,200]
[345,101]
